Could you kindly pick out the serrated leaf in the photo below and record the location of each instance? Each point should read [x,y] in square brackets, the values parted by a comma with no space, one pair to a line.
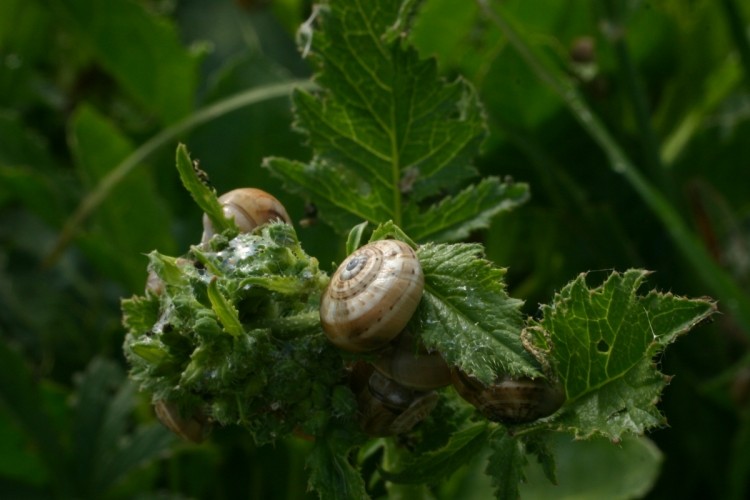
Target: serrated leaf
[387,131]
[105,450]
[391,231]
[339,196]
[204,196]
[331,474]
[225,310]
[505,466]
[96,386]
[537,444]
[139,313]
[624,405]
[601,341]
[455,217]
[467,315]
[145,445]
[440,464]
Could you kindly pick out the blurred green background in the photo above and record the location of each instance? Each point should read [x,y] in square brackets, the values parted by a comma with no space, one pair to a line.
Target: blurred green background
[84,84]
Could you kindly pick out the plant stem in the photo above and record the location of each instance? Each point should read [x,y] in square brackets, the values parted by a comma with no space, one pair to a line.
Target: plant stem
[713,276]
[100,192]
[637,94]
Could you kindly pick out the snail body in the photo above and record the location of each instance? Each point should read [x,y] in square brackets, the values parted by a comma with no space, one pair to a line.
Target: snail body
[410,364]
[387,408]
[510,400]
[250,208]
[372,296]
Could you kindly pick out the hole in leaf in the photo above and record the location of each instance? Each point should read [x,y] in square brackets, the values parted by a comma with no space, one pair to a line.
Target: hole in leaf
[602,346]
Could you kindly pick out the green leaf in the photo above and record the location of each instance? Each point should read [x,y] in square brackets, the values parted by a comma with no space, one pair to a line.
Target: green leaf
[203,195]
[27,175]
[505,466]
[624,405]
[275,372]
[387,132]
[21,401]
[224,309]
[145,445]
[331,474]
[141,51]
[440,464]
[342,199]
[95,389]
[467,315]
[596,468]
[140,313]
[390,230]
[600,342]
[19,461]
[105,450]
[354,240]
[133,220]
[455,217]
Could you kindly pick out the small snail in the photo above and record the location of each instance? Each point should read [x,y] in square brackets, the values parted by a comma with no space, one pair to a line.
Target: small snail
[250,208]
[510,400]
[372,296]
[410,364]
[191,428]
[386,407]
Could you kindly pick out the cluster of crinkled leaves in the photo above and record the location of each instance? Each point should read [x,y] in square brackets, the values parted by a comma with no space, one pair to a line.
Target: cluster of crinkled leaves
[233,333]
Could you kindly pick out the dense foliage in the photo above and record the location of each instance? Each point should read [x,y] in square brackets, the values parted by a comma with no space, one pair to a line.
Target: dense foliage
[630,154]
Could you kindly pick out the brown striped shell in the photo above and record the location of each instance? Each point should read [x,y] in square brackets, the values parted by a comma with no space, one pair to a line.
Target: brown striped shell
[372,296]
[510,400]
[250,208]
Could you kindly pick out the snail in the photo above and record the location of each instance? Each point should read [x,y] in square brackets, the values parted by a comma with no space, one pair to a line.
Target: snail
[250,208]
[510,400]
[372,296]
[410,364]
[386,407]
[191,428]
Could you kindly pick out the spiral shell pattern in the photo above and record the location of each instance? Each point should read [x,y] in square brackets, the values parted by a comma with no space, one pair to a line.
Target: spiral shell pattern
[250,208]
[372,296]
[510,400]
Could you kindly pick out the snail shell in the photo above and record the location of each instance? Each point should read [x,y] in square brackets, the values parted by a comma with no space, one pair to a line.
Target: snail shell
[410,364]
[193,428]
[250,208]
[388,408]
[510,400]
[372,296]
